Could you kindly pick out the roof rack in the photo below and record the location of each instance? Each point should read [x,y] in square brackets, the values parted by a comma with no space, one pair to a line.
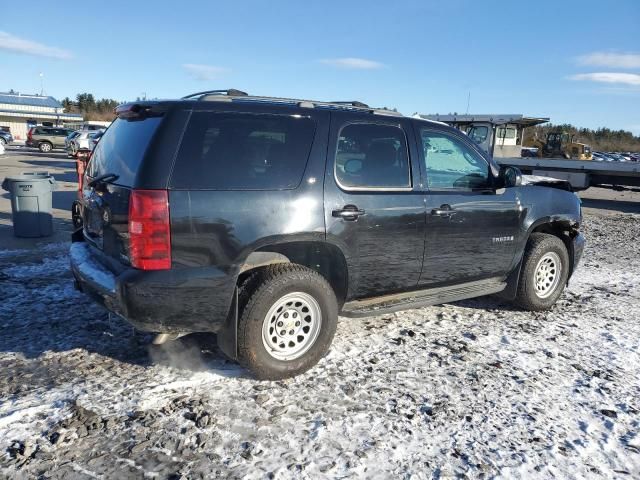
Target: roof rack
[240,96]
[230,92]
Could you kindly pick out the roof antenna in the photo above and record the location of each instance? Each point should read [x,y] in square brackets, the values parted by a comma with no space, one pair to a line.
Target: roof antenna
[41,84]
[468,102]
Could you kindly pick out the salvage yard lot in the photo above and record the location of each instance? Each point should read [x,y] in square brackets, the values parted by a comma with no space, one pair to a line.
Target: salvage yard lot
[474,388]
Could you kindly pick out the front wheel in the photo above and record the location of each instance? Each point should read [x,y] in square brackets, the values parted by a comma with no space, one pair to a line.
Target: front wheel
[544,273]
[3,142]
[288,318]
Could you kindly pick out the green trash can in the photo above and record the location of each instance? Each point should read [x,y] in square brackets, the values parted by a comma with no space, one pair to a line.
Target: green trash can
[31,195]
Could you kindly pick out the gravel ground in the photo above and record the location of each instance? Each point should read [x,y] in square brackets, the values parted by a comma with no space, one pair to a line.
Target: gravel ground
[472,389]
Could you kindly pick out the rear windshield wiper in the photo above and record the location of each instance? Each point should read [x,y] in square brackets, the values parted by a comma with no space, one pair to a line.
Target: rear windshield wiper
[106,178]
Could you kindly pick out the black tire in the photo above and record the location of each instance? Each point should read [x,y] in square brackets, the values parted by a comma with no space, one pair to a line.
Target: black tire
[45,147]
[3,142]
[262,291]
[528,296]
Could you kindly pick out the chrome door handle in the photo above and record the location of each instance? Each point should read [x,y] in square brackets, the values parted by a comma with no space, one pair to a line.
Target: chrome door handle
[443,211]
[348,212]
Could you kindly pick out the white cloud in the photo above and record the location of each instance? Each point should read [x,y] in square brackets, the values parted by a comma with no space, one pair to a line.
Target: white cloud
[352,63]
[204,72]
[605,77]
[14,44]
[610,59]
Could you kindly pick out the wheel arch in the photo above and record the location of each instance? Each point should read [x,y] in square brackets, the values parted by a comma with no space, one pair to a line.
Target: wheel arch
[323,257]
[563,228]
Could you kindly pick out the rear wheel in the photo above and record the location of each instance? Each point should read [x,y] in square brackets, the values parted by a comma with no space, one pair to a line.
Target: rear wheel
[45,147]
[3,142]
[287,321]
[544,274]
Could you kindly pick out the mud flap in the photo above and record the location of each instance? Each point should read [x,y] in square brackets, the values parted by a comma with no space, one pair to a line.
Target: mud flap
[227,336]
[512,280]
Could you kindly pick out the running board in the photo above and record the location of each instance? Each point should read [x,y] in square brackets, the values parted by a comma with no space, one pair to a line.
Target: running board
[421,298]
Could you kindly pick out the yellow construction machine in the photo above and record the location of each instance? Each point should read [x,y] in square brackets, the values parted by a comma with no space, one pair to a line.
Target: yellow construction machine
[561,144]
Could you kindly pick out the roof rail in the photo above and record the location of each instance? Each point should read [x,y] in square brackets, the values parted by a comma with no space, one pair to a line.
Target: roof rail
[240,96]
[230,92]
[353,103]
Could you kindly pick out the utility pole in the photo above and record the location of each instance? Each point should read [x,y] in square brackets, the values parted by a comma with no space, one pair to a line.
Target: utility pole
[468,101]
[41,84]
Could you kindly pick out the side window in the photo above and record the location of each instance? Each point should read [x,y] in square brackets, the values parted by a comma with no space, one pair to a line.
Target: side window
[243,151]
[452,164]
[372,156]
[478,133]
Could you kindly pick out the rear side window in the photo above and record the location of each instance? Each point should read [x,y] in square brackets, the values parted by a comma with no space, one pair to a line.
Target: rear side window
[372,156]
[122,148]
[242,151]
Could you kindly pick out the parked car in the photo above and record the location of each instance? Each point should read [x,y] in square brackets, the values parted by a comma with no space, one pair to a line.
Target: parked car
[82,143]
[5,137]
[69,145]
[264,219]
[46,139]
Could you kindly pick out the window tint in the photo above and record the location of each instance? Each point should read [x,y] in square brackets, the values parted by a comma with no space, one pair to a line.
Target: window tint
[122,148]
[242,151]
[452,164]
[372,156]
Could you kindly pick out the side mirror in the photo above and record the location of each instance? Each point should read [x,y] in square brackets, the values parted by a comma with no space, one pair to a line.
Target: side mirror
[510,176]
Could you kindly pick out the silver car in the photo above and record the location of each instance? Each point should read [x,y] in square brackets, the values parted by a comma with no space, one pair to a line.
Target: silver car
[82,142]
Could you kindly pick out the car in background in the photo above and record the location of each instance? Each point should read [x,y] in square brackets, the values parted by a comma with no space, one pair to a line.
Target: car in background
[617,157]
[95,138]
[68,143]
[82,143]
[46,139]
[5,137]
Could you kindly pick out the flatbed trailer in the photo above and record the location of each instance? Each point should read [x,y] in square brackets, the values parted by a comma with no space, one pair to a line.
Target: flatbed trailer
[582,174]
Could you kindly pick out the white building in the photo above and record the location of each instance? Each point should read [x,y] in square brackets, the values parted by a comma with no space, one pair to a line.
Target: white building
[20,112]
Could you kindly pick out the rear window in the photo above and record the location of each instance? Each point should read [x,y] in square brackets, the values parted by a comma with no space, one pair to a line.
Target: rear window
[242,151]
[122,148]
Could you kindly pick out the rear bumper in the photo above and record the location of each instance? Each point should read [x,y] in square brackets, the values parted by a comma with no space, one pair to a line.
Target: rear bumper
[171,301]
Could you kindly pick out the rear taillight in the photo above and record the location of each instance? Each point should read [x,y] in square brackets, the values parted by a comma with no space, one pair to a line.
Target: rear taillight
[149,232]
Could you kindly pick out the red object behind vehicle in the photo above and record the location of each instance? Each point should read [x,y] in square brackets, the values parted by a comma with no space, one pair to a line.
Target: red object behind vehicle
[149,231]
[30,135]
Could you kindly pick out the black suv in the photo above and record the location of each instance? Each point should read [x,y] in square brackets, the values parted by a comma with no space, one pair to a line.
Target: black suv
[263,219]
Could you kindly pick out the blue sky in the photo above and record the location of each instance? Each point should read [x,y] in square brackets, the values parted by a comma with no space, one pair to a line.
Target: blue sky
[574,61]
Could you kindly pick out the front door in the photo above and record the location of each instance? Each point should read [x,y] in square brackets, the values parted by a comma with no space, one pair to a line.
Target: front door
[374,210]
[471,228]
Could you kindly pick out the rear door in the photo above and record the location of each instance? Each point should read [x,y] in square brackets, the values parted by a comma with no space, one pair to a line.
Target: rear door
[58,137]
[374,210]
[120,153]
[471,227]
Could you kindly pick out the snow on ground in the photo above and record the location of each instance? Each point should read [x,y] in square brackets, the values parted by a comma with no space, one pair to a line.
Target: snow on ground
[474,389]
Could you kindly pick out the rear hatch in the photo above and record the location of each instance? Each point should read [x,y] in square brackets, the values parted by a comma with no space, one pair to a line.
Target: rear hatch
[109,185]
